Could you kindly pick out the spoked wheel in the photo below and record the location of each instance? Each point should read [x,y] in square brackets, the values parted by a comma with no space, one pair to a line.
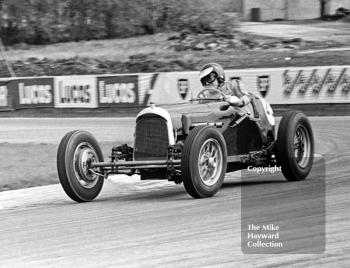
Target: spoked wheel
[77,150]
[210,162]
[302,146]
[295,146]
[204,162]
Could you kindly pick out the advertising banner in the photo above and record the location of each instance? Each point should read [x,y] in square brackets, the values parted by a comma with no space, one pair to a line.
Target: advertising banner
[75,92]
[277,85]
[297,84]
[147,84]
[32,92]
[315,85]
[175,87]
[182,86]
[117,90]
[264,83]
[4,97]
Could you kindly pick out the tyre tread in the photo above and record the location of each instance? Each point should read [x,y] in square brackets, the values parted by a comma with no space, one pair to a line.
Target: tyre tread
[186,162]
[62,168]
[289,170]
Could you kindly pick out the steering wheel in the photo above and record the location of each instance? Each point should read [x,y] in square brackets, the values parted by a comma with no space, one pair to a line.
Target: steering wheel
[211,94]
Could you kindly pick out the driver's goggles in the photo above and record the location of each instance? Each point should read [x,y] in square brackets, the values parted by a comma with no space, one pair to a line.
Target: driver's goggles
[209,79]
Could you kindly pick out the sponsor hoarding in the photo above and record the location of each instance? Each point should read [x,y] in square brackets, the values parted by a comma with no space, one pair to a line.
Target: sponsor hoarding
[7,94]
[292,85]
[75,92]
[277,85]
[117,90]
[175,87]
[32,92]
[315,85]
[147,83]
[4,100]
[182,86]
[261,82]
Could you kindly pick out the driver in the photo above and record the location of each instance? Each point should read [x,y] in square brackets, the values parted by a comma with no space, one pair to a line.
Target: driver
[212,76]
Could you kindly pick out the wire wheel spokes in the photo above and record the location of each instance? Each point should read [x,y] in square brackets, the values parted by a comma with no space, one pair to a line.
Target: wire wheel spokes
[302,146]
[210,162]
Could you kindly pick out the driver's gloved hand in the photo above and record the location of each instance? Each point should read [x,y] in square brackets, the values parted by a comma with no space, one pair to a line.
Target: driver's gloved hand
[234,100]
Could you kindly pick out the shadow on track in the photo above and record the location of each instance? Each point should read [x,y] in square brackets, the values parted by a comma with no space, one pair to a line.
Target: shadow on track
[230,184]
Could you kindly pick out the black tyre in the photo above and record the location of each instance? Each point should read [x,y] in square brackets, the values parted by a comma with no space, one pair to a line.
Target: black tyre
[76,150]
[204,162]
[295,146]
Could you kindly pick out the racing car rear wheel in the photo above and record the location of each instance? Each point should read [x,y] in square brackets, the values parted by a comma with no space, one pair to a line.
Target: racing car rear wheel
[295,146]
[76,151]
[204,162]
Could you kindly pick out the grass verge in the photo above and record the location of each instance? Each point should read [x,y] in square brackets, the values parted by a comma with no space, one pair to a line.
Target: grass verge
[28,165]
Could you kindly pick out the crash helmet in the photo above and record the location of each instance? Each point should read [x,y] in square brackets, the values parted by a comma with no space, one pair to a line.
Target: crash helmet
[210,72]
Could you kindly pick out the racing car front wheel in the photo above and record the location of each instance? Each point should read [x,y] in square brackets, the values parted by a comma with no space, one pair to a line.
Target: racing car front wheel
[76,150]
[295,146]
[204,162]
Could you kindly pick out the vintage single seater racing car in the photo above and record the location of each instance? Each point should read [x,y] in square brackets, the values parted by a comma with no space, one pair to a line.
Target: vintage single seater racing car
[194,143]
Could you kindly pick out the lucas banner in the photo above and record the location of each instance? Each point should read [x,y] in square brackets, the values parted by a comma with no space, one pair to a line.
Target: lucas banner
[33,92]
[5,98]
[117,90]
[288,85]
[75,92]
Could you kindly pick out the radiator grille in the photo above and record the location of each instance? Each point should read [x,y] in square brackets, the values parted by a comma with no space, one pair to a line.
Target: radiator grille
[151,140]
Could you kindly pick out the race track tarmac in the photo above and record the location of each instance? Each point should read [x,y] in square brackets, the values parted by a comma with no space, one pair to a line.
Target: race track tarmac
[155,223]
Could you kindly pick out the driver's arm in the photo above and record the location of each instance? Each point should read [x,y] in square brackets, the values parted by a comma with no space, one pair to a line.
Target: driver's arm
[235,101]
[236,94]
